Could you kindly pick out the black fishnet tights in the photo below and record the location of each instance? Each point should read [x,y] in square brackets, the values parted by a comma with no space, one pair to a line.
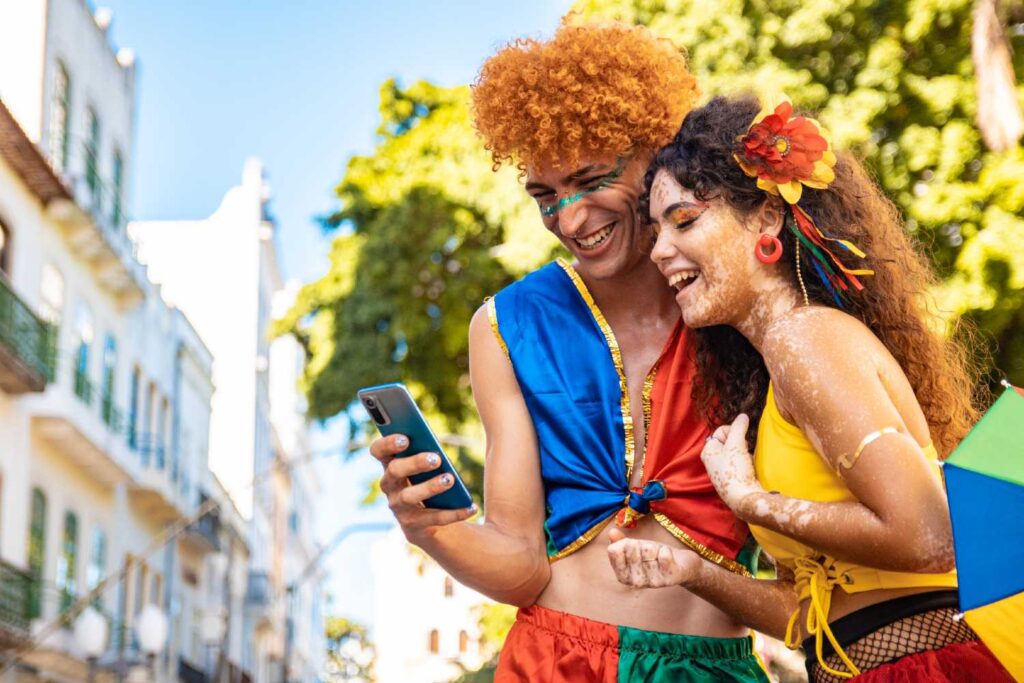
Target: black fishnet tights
[920,633]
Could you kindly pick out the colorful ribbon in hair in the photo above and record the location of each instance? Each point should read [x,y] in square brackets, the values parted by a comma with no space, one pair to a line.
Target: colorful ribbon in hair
[785,152]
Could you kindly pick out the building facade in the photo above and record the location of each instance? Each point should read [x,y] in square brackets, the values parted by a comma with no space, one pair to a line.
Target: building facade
[259,435]
[438,640]
[120,388]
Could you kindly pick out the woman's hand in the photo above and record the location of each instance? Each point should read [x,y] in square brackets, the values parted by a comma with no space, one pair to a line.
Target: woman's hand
[729,464]
[649,564]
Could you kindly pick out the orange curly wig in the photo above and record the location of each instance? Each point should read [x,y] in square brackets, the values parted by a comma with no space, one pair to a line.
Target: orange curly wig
[589,91]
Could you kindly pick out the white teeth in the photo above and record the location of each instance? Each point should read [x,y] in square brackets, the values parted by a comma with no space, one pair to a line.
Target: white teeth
[680,279]
[591,241]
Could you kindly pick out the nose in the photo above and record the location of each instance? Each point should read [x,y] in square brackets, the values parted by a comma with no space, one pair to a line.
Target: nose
[663,249]
[571,218]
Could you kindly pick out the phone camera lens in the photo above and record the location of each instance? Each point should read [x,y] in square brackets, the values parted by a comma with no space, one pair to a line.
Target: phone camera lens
[370,403]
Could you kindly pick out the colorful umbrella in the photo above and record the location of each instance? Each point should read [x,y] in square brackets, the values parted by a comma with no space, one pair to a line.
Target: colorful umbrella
[985,486]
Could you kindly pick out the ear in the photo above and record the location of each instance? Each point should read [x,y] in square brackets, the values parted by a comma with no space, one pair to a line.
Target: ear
[770,216]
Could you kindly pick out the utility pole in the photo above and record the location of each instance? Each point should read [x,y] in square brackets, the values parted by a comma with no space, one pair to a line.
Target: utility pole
[306,573]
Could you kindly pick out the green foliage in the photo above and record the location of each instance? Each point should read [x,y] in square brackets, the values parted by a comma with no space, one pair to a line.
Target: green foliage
[350,654]
[894,82]
[426,232]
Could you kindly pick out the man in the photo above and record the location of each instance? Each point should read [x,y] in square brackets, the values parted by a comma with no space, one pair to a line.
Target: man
[581,374]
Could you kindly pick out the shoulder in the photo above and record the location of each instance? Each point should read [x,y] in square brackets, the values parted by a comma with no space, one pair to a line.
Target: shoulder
[816,349]
[820,339]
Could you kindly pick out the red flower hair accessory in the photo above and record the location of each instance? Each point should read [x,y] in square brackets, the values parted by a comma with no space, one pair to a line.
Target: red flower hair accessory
[785,153]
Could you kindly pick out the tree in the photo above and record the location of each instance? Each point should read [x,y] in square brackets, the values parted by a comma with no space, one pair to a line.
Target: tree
[894,82]
[426,230]
[350,654]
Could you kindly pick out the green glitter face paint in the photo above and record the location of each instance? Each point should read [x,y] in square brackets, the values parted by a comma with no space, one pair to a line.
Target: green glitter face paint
[549,209]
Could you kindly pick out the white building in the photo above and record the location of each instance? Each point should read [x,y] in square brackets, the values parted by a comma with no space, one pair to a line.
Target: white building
[223,272]
[425,624]
[105,390]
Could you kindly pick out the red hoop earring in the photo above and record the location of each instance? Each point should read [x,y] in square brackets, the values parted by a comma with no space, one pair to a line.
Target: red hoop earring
[766,240]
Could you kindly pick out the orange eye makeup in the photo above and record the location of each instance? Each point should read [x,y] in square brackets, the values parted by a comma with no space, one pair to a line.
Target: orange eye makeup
[680,215]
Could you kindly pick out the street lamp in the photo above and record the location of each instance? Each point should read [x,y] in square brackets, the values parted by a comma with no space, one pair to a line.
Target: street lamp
[90,635]
[151,630]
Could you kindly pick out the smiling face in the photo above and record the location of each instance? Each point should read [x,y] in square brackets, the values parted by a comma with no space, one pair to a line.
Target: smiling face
[706,252]
[592,209]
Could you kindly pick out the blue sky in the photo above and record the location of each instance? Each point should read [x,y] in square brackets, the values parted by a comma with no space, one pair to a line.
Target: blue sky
[296,84]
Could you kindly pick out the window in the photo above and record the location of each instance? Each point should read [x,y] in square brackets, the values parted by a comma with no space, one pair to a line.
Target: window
[97,561]
[463,641]
[52,291]
[36,551]
[161,433]
[5,249]
[133,409]
[84,332]
[98,558]
[116,208]
[435,642]
[67,562]
[449,587]
[60,106]
[92,159]
[110,415]
[146,440]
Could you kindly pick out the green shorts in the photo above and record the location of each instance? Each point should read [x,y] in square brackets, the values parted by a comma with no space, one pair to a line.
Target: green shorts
[545,646]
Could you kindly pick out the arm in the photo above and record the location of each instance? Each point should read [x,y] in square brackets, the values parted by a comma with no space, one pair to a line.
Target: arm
[831,385]
[503,557]
[763,605]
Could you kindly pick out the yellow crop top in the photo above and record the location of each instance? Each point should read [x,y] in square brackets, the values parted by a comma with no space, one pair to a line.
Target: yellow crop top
[785,461]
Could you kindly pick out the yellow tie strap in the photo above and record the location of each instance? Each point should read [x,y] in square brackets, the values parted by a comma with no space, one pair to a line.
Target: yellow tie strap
[815,579]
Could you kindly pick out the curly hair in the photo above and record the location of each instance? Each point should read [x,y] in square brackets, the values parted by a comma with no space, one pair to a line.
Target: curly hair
[894,305]
[590,90]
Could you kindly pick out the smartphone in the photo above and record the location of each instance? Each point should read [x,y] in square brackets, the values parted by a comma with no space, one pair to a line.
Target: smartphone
[395,412]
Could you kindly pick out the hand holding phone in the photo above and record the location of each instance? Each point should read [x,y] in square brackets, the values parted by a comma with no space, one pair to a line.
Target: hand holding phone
[394,412]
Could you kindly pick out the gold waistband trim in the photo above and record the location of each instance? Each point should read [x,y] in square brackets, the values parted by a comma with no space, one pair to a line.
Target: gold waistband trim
[699,548]
[586,538]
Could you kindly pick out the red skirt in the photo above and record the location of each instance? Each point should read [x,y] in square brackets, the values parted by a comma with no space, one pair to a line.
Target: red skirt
[957,663]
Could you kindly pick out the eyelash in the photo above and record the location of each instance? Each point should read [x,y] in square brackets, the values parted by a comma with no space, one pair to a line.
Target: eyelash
[685,224]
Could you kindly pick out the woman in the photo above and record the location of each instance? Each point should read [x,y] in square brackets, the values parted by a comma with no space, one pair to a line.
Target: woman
[806,296]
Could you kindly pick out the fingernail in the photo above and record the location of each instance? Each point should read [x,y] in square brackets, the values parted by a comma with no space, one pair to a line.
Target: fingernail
[433,460]
[402,441]
[446,480]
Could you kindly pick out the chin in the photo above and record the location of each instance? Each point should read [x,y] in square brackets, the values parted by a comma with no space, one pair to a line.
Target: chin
[696,319]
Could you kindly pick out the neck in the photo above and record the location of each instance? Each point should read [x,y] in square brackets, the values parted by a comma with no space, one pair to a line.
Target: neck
[770,304]
[640,291]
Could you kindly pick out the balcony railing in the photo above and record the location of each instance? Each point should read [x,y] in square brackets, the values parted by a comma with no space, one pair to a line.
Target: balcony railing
[207,528]
[16,593]
[111,414]
[83,387]
[31,341]
[152,449]
[100,195]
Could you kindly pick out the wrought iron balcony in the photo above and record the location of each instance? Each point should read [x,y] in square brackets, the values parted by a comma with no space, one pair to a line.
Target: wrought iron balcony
[83,387]
[206,531]
[16,593]
[111,414]
[27,345]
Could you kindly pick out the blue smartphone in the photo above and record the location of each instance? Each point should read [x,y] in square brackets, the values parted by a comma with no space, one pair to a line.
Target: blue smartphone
[393,410]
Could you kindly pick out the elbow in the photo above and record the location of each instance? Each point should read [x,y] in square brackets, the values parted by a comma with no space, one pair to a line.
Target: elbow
[933,553]
[939,560]
[528,591]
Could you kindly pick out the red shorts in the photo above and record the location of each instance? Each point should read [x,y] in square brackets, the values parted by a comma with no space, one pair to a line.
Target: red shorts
[545,646]
[957,663]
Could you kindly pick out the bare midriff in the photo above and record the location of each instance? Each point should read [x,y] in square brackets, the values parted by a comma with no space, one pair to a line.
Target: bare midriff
[584,584]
